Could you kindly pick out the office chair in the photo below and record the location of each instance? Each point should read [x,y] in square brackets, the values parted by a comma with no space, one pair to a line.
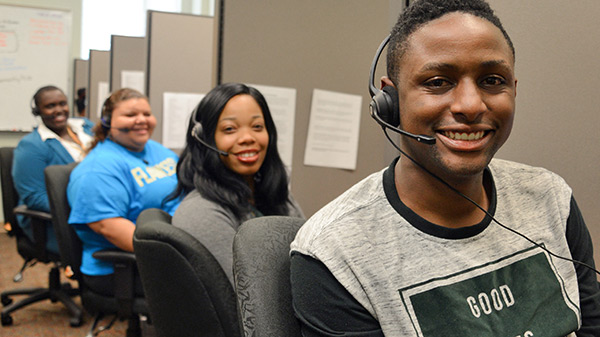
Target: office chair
[124,304]
[261,272]
[32,251]
[188,292]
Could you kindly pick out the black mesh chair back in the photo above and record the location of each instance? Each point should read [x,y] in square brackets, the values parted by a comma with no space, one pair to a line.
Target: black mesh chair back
[261,270]
[124,304]
[188,292]
[10,197]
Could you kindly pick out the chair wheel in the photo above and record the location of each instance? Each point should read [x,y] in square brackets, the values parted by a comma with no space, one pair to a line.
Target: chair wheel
[6,320]
[6,300]
[76,321]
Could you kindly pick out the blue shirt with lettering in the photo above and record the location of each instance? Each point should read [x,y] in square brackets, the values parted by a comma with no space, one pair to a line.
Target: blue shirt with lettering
[115,182]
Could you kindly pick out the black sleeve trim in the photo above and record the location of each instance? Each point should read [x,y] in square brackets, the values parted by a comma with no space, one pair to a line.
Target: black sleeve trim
[323,306]
[580,245]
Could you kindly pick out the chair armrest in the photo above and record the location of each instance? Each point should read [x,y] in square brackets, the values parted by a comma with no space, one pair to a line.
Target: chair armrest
[39,220]
[23,210]
[125,273]
[113,255]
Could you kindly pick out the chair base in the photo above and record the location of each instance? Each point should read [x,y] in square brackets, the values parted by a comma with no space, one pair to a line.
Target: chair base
[133,327]
[55,292]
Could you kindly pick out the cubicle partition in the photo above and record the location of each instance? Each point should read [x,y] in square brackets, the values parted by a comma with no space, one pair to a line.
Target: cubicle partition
[98,86]
[181,59]
[128,57]
[80,80]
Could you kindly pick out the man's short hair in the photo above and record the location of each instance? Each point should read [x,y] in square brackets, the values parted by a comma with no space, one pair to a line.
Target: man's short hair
[420,12]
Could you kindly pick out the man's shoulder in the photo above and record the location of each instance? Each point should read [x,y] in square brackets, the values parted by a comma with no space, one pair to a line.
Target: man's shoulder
[341,214]
[512,178]
[504,164]
[357,197]
[502,169]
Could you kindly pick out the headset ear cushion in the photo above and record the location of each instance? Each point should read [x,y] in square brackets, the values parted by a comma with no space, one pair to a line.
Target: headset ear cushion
[389,109]
[34,109]
[197,130]
[104,122]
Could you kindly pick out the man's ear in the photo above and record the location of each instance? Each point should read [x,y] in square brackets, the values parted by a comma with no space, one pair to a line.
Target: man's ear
[385,81]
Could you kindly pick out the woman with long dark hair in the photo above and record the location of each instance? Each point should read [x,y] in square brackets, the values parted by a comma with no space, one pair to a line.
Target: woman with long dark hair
[230,169]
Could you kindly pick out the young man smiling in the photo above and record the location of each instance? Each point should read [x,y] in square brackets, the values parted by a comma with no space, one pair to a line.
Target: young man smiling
[402,254]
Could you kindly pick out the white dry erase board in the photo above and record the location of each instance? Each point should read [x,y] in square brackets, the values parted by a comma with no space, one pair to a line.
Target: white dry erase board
[34,52]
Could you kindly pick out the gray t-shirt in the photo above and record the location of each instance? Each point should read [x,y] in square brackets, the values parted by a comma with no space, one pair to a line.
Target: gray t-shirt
[417,281]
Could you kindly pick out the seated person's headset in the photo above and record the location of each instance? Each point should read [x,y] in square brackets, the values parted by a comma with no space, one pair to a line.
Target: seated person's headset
[34,108]
[384,105]
[198,134]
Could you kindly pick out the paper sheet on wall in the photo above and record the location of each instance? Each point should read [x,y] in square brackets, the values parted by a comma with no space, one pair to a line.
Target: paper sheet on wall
[103,93]
[133,79]
[177,109]
[333,130]
[282,104]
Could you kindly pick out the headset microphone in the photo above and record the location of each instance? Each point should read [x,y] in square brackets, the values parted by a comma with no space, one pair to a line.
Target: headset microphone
[105,122]
[197,134]
[384,104]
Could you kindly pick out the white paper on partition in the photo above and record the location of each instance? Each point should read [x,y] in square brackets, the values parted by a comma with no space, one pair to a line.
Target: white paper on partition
[103,92]
[177,109]
[333,130]
[282,104]
[133,79]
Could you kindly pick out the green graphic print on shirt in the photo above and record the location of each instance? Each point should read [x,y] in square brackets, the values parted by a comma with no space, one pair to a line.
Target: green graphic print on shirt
[519,296]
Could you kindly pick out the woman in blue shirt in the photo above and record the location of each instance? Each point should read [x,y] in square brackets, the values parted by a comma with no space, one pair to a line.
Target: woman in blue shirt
[124,173]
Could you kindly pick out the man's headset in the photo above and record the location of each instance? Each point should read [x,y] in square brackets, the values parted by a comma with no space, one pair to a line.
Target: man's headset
[384,104]
[198,133]
[384,109]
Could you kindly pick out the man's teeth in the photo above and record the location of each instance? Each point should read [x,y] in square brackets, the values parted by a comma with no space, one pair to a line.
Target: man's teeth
[464,135]
[248,154]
